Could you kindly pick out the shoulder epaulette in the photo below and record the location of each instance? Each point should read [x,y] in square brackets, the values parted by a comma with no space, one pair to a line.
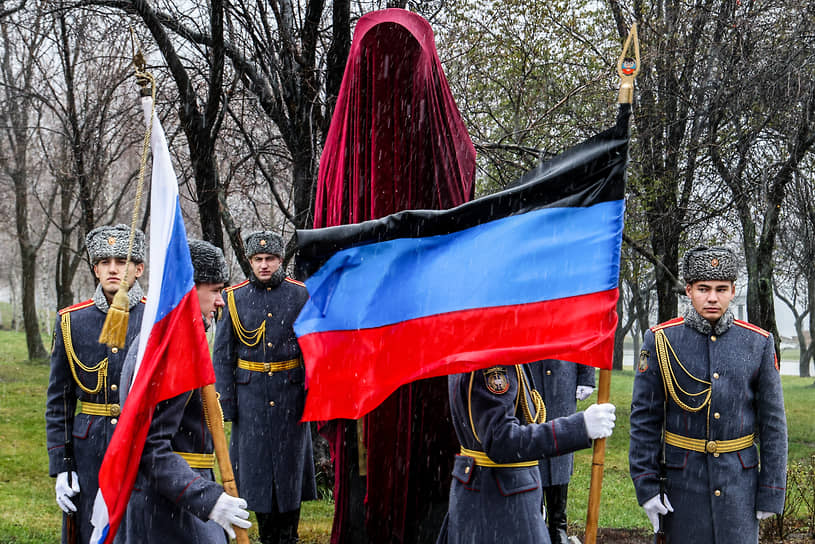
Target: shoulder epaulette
[77,306]
[671,323]
[295,282]
[236,286]
[750,326]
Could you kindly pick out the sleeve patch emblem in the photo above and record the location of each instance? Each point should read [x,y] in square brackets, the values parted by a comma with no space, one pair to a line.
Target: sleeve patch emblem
[643,366]
[496,379]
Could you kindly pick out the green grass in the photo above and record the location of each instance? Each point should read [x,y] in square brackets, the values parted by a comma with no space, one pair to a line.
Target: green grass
[618,507]
[29,514]
[27,506]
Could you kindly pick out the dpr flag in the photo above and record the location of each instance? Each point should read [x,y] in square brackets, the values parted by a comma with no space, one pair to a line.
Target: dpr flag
[525,274]
[172,355]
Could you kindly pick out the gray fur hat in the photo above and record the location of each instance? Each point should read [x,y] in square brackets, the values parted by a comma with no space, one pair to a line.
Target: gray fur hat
[263,241]
[208,262]
[709,263]
[111,241]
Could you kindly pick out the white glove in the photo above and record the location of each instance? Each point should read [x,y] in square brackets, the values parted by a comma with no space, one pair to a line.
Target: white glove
[599,420]
[655,507]
[229,511]
[761,514]
[65,491]
[583,392]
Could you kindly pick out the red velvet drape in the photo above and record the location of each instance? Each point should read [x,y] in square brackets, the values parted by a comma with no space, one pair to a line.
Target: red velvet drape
[396,142]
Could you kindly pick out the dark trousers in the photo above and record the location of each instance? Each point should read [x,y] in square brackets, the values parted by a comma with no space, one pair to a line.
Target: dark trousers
[555,498]
[278,527]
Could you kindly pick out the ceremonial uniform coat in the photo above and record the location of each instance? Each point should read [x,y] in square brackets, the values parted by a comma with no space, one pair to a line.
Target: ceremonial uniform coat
[270,449]
[501,504]
[557,382]
[171,501]
[715,495]
[84,370]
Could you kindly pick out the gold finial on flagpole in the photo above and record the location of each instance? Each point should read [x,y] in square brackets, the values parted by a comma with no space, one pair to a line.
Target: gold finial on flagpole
[114,330]
[628,67]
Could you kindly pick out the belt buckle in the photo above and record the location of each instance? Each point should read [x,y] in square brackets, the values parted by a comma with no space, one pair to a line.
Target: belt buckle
[115,410]
[711,446]
[267,367]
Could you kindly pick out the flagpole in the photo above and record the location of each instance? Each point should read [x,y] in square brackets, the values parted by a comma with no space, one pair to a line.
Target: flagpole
[209,398]
[215,422]
[627,68]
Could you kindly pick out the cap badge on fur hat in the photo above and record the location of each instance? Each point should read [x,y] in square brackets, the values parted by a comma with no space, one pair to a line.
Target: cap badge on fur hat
[263,241]
[112,241]
[710,264]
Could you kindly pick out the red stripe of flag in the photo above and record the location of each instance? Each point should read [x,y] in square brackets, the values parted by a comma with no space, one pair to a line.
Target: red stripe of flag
[579,329]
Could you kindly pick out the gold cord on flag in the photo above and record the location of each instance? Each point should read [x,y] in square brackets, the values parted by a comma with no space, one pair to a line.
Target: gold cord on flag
[114,331]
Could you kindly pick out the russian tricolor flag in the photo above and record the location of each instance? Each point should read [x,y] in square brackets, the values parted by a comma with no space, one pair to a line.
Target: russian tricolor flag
[525,274]
[173,356]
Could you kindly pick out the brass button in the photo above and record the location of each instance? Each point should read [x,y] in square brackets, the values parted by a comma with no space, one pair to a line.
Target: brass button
[114,350]
[466,470]
[268,288]
[716,454]
[269,314]
[271,403]
[114,387]
[114,421]
[271,373]
[548,372]
[715,375]
[717,492]
[269,344]
[716,415]
[713,338]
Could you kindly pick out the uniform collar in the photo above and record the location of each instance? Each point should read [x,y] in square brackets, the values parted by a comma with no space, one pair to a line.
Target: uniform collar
[133,296]
[702,325]
[276,279]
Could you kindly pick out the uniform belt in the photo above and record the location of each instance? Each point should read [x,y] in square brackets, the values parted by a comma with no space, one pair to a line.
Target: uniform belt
[198,460]
[96,409]
[482,460]
[269,367]
[709,446]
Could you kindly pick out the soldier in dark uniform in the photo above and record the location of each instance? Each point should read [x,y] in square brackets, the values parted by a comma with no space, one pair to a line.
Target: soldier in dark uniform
[561,384]
[175,492]
[84,370]
[500,420]
[708,390]
[260,377]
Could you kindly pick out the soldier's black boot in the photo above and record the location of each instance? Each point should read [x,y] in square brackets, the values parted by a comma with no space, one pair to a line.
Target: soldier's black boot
[556,497]
[288,529]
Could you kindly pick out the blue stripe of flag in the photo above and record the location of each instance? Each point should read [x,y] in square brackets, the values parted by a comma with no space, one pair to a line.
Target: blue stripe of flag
[545,254]
[178,274]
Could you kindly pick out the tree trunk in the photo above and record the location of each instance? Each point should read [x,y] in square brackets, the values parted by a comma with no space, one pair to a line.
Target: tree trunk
[806,355]
[28,261]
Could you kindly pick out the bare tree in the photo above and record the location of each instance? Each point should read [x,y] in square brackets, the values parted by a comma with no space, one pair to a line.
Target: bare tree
[11,9]
[795,268]
[761,127]
[23,38]
[91,129]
